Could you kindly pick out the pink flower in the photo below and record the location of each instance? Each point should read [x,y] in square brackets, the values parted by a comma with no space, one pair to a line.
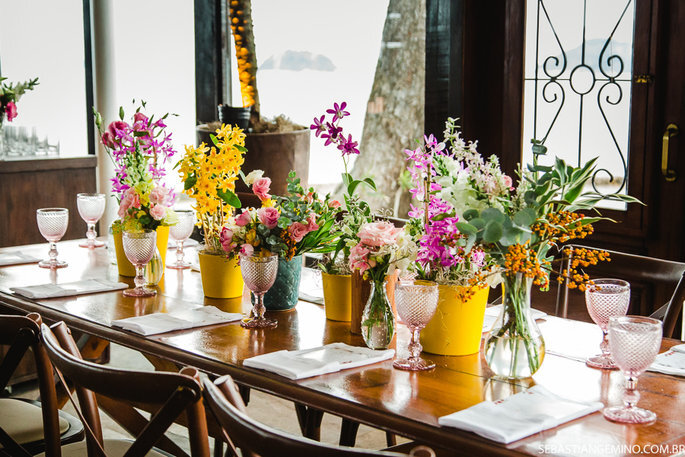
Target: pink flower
[268,217]
[247,250]
[243,219]
[334,204]
[11,111]
[311,222]
[261,188]
[297,231]
[358,258]
[117,125]
[226,239]
[378,234]
[160,195]
[140,117]
[507,182]
[158,212]
[108,139]
[129,200]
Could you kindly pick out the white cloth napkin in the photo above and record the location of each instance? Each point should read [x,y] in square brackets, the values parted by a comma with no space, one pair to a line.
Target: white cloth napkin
[16,258]
[151,324]
[317,361]
[519,416]
[670,362]
[492,312]
[85,286]
[311,287]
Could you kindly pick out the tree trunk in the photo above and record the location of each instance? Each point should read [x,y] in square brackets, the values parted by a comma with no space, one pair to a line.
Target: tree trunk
[395,112]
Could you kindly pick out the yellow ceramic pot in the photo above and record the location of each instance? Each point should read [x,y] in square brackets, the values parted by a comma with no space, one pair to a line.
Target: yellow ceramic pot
[125,267]
[221,277]
[457,326]
[337,296]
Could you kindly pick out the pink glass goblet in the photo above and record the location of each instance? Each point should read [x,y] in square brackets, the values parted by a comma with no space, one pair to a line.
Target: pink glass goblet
[604,299]
[91,207]
[179,233]
[416,302]
[139,248]
[259,274]
[635,342]
[52,223]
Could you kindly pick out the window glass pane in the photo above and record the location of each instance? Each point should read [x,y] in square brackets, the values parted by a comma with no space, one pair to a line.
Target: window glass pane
[577,91]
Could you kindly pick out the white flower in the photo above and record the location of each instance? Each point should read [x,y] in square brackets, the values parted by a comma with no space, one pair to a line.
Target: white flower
[253,176]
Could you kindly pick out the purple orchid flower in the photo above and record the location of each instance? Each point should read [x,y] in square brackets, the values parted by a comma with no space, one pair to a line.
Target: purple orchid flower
[338,111]
[318,126]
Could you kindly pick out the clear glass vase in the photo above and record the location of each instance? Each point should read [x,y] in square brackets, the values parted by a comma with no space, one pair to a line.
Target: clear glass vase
[514,348]
[378,321]
[154,269]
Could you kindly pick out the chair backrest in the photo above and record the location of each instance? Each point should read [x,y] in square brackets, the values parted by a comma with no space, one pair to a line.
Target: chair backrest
[653,283]
[21,333]
[256,439]
[172,393]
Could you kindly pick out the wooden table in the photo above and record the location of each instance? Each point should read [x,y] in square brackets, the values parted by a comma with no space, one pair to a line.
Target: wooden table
[398,401]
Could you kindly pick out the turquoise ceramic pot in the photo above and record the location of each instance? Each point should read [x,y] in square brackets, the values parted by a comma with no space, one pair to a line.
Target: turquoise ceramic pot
[285,292]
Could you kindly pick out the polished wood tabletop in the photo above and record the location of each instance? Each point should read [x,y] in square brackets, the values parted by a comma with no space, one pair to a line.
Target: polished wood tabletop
[402,402]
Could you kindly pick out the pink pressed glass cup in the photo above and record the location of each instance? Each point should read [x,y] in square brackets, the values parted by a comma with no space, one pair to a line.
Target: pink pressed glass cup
[604,299]
[52,224]
[416,302]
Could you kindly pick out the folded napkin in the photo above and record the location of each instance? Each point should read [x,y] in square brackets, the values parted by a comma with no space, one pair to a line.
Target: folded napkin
[311,287]
[85,286]
[151,324]
[671,362]
[317,361]
[16,258]
[519,416]
[492,312]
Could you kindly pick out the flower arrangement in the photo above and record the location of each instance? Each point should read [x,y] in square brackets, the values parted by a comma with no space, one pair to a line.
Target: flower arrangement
[284,225]
[357,212]
[10,95]
[209,175]
[516,226]
[140,150]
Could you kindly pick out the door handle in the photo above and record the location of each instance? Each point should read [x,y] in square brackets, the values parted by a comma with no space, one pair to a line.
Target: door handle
[671,131]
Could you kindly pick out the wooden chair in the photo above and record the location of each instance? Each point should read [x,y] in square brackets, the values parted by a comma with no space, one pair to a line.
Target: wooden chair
[653,282]
[171,393]
[256,439]
[28,427]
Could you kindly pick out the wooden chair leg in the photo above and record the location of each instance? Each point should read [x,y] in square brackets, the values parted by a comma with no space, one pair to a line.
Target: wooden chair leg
[390,439]
[244,393]
[309,420]
[348,432]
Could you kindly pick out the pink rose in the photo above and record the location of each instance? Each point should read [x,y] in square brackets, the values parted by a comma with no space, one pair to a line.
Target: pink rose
[268,217]
[334,204]
[226,239]
[108,139]
[261,188]
[247,250]
[297,231]
[243,219]
[507,182]
[160,195]
[158,212]
[311,222]
[116,125]
[129,200]
[378,234]
[358,258]
[11,111]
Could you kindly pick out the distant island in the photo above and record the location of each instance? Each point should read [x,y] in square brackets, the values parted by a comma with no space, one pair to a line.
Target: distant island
[297,61]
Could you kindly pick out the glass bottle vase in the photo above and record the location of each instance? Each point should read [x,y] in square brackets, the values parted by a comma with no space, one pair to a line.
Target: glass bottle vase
[515,348]
[378,321]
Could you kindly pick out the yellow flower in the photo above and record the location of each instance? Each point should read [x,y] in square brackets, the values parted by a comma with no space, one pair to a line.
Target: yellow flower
[251,238]
[268,203]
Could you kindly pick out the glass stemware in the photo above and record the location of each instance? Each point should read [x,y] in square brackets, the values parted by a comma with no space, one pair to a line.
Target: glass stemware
[416,302]
[604,299]
[180,232]
[139,248]
[259,274]
[52,223]
[91,207]
[635,342]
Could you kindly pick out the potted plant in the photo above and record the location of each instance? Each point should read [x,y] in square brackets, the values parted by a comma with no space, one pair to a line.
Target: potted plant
[209,175]
[140,150]
[9,97]
[288,226]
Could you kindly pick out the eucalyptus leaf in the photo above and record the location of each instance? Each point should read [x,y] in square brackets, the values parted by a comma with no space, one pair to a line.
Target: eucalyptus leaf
[492,232]
[470,214]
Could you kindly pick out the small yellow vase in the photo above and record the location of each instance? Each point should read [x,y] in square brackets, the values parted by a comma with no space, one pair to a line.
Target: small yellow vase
[457,326]
[221,277]
[337,296]
[126,268]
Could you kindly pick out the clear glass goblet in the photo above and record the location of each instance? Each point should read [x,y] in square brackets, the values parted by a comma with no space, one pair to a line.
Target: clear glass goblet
[604,299]
[179,233]
[139,248]
[416,302]
[635,342]
[259,274]
[91,207]
[52,223]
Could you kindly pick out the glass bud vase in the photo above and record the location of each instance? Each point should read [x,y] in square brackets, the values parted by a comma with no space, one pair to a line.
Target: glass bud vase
[378,321]
[514,348]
